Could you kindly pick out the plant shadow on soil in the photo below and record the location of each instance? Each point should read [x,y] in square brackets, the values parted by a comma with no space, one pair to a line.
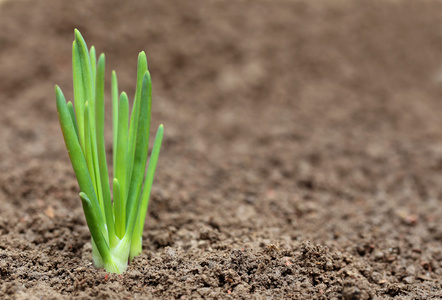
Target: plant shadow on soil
[302,155]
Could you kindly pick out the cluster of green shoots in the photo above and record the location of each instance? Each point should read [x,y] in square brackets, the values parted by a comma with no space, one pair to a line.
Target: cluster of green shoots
[116,225]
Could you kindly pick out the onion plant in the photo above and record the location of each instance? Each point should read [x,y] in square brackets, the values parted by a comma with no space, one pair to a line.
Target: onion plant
[115,212]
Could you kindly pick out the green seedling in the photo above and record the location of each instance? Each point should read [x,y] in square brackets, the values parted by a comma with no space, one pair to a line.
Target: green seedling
[116,226]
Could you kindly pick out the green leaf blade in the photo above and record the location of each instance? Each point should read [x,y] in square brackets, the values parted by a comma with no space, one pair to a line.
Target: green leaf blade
[119,216]
[150,177]
[141,151]
[86,67]
[121,167]
[79,95]
[101,150]
[136,245]
[92,222]
[114,89]
[72,113]
[133,127]
[76,154]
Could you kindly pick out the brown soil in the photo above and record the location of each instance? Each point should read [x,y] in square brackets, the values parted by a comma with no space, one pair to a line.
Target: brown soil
[302,157]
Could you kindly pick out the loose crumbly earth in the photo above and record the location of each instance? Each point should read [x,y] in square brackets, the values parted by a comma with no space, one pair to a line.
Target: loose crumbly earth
[302,156]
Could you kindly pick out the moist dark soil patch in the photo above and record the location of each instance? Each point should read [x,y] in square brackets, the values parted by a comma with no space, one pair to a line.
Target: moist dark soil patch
[302,156]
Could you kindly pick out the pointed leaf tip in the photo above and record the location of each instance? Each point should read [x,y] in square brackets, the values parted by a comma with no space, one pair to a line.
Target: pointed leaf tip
[147,76]
[58,92]
[78,36]
[142,59]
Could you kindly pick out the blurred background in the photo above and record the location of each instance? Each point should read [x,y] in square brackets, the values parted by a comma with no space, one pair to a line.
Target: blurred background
[285,120]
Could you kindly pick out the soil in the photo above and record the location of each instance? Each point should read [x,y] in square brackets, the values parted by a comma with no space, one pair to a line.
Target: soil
[302,156]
